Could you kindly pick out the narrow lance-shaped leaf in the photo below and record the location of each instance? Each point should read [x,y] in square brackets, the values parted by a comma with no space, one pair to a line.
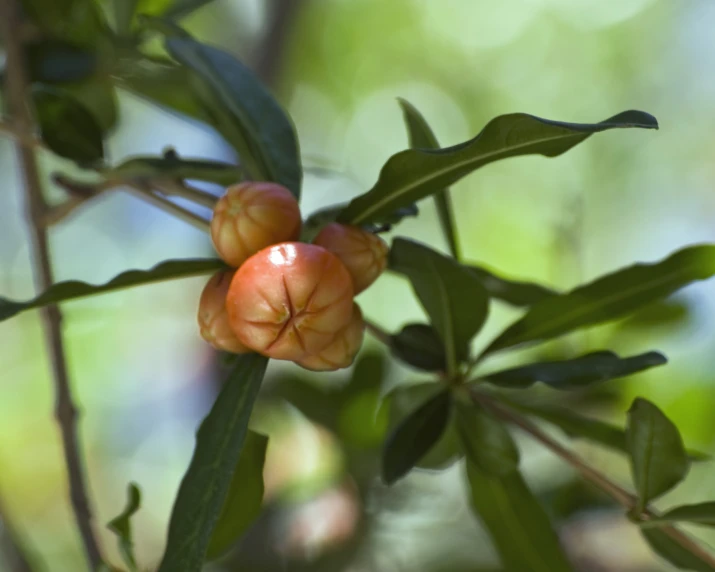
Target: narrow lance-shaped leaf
[512,292]
[261,127]
[122,526]
[575,373]
[414,174]
[657,455]
[420,346]
[518,525]
[486,441]
[422,137]
[415,436]
[73,289]
[701,513]
[453,297]
[205,486]
[609,298]
[176,168]
[674,552]
[245,496]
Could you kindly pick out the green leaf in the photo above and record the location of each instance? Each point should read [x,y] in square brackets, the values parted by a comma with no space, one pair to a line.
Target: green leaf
[74,289]
[172,167]
[206,484]
[701,513]
[182,8]
[415,436]
[510,291]
[98,95]
[56,61]
[575,373]
[124,11]
[245,496]
[519,527]
[453,297]
[609,298]
[657,455]
[673,552]
[258,128]
[122,526]
[80,22]
[414,174]
[486,441]
[422,137]
[67,127]
[420,346]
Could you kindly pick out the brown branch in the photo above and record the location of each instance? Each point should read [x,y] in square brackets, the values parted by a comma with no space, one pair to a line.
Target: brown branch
[595,477]
[65,411]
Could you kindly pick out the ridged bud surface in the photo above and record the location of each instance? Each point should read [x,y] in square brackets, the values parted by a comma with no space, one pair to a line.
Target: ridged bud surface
[342,351]
[213,318]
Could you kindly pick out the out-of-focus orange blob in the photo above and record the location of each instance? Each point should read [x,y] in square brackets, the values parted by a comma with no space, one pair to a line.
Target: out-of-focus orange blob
[363,253]
[290,300]
[342,351]
[252,216]
[213,318]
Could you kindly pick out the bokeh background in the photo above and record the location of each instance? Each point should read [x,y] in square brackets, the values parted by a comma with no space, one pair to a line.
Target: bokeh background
[144,378]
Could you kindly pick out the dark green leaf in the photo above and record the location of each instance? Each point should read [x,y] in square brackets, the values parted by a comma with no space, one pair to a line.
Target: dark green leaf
[415,436]
[124,11]
[80,22]
[55,61]
[609,298]
[578,426]
[170,166]
[453,297]
[258,128]
[67,127]
[519,527]
[701,513]
[98,95]
[205,486]
[674,552]
[182,8]
[577,372]
[122,526]
[73,289]
[657,455]
[414,174]
[510,291]
[486,442]
[245,496]
[422,137]
[420,346]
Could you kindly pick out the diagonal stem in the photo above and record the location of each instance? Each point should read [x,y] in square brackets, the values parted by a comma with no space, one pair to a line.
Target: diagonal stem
[595,477]
[65,411]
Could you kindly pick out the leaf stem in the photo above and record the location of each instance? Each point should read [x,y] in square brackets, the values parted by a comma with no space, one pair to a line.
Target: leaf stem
[590,474]
[16,83]
[377,332]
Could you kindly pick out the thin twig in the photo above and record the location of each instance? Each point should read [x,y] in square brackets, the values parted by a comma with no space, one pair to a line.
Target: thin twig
[595,477]
[172,188]
[145,193]
[7,128]
[377,332]
[65,410]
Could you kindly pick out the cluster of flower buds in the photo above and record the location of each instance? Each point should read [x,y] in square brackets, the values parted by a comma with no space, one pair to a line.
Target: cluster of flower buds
[285,299]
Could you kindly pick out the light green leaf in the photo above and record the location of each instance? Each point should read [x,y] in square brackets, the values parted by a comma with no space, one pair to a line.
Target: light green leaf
[453,297]
[486,441]
[519,527]
[73,289]
[422,137]
[657,455]
[244,111]
[701,513]
[205,486]
[414,174]
[245,496]
[122,526]
[673,552]
[577,372]
[609,298]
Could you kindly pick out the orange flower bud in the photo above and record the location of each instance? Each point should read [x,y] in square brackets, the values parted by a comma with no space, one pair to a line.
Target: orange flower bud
[290,300]
[213,319]
[342,351]
[252,216]
[363,253]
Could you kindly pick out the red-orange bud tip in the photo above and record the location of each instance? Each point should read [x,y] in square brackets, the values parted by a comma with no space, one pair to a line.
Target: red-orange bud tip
[289,300]
[252,216]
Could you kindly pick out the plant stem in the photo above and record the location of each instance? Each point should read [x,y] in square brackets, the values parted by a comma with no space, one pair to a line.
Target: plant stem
[65,411]
[378,333]
[595,477]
